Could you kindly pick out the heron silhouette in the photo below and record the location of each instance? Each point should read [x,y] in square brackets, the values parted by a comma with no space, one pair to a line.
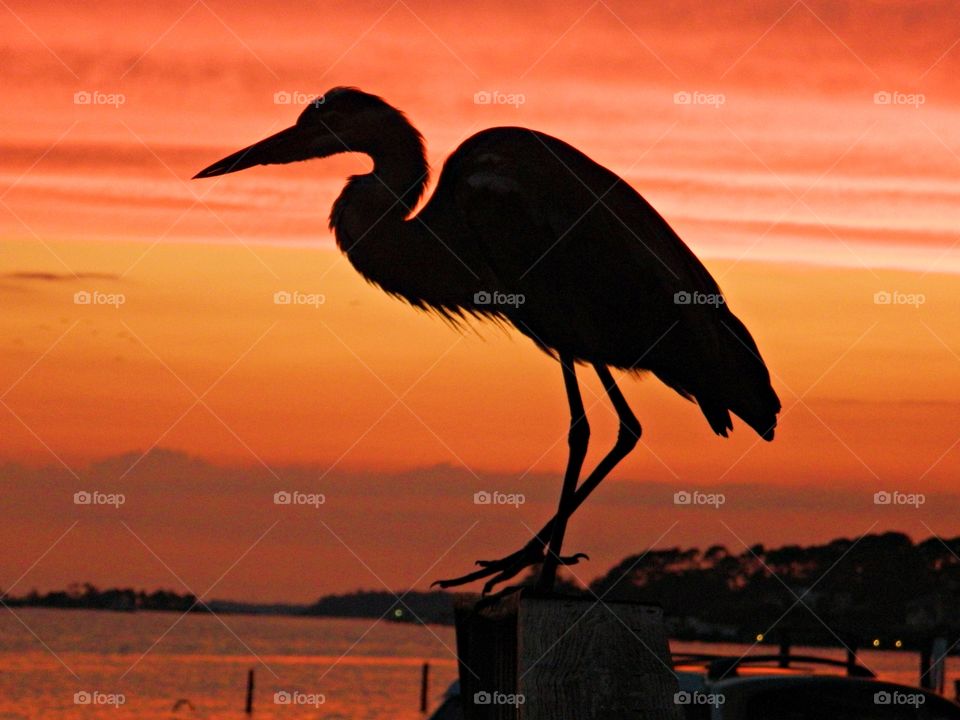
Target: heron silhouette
[526,230]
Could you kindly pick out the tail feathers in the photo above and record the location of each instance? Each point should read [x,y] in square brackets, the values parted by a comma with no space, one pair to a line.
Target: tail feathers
[764,422]
[718,417]
[742,384]
[731,378]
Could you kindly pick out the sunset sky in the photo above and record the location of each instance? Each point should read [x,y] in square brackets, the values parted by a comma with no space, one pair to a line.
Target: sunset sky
[816,166]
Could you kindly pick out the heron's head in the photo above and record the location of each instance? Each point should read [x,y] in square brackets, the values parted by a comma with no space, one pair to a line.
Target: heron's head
[341,120]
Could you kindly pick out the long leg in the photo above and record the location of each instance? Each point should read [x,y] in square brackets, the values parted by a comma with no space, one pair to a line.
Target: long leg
[628,434]
[627,437]
[578,438]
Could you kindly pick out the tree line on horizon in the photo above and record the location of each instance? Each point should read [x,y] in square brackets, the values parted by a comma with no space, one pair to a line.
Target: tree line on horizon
[87,596]
[880,586]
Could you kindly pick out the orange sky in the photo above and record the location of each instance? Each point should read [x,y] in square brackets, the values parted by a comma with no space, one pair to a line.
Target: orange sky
[804,195]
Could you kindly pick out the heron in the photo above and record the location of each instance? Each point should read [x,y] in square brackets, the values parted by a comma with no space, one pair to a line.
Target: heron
[525,230]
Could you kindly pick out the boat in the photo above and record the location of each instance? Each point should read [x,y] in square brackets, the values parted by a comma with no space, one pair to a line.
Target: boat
[780,687]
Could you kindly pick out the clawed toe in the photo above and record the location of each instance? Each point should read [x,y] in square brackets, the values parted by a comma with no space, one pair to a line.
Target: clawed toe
[499,571]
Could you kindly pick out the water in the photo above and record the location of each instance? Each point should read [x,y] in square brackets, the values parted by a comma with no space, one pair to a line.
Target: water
[347,669]
[362,670]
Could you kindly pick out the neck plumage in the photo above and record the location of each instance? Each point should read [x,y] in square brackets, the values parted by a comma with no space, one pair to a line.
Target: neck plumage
[385,197]
[371,225]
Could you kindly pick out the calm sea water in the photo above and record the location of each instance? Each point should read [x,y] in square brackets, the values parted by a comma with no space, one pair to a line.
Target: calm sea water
[337,668]
[329,668]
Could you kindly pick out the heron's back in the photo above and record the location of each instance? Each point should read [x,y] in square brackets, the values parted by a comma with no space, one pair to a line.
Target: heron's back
[592,271]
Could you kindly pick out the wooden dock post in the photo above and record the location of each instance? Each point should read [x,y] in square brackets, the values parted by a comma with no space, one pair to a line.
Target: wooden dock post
[933,654]
[249,705]
[926,652]
[424,687]
[784,660]
[530,657]
[851,657]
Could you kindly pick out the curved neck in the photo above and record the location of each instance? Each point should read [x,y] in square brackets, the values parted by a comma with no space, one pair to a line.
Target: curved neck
[386,196]
[370,223]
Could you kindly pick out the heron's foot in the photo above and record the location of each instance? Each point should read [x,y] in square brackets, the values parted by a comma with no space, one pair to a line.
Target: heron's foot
[499,571]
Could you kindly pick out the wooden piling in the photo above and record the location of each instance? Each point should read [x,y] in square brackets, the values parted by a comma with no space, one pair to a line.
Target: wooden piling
[937,673]
[784,660]
[851,658]
[925,655]
[532,657]
[249,705]
[424,687]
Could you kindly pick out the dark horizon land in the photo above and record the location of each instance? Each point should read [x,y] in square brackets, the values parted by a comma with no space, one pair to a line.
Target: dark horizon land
[709,594]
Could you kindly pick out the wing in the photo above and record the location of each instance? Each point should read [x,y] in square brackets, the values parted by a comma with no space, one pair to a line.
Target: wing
[581,263]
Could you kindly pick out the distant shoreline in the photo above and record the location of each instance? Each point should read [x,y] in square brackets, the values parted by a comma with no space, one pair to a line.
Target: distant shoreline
[302,611]
[834,595]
